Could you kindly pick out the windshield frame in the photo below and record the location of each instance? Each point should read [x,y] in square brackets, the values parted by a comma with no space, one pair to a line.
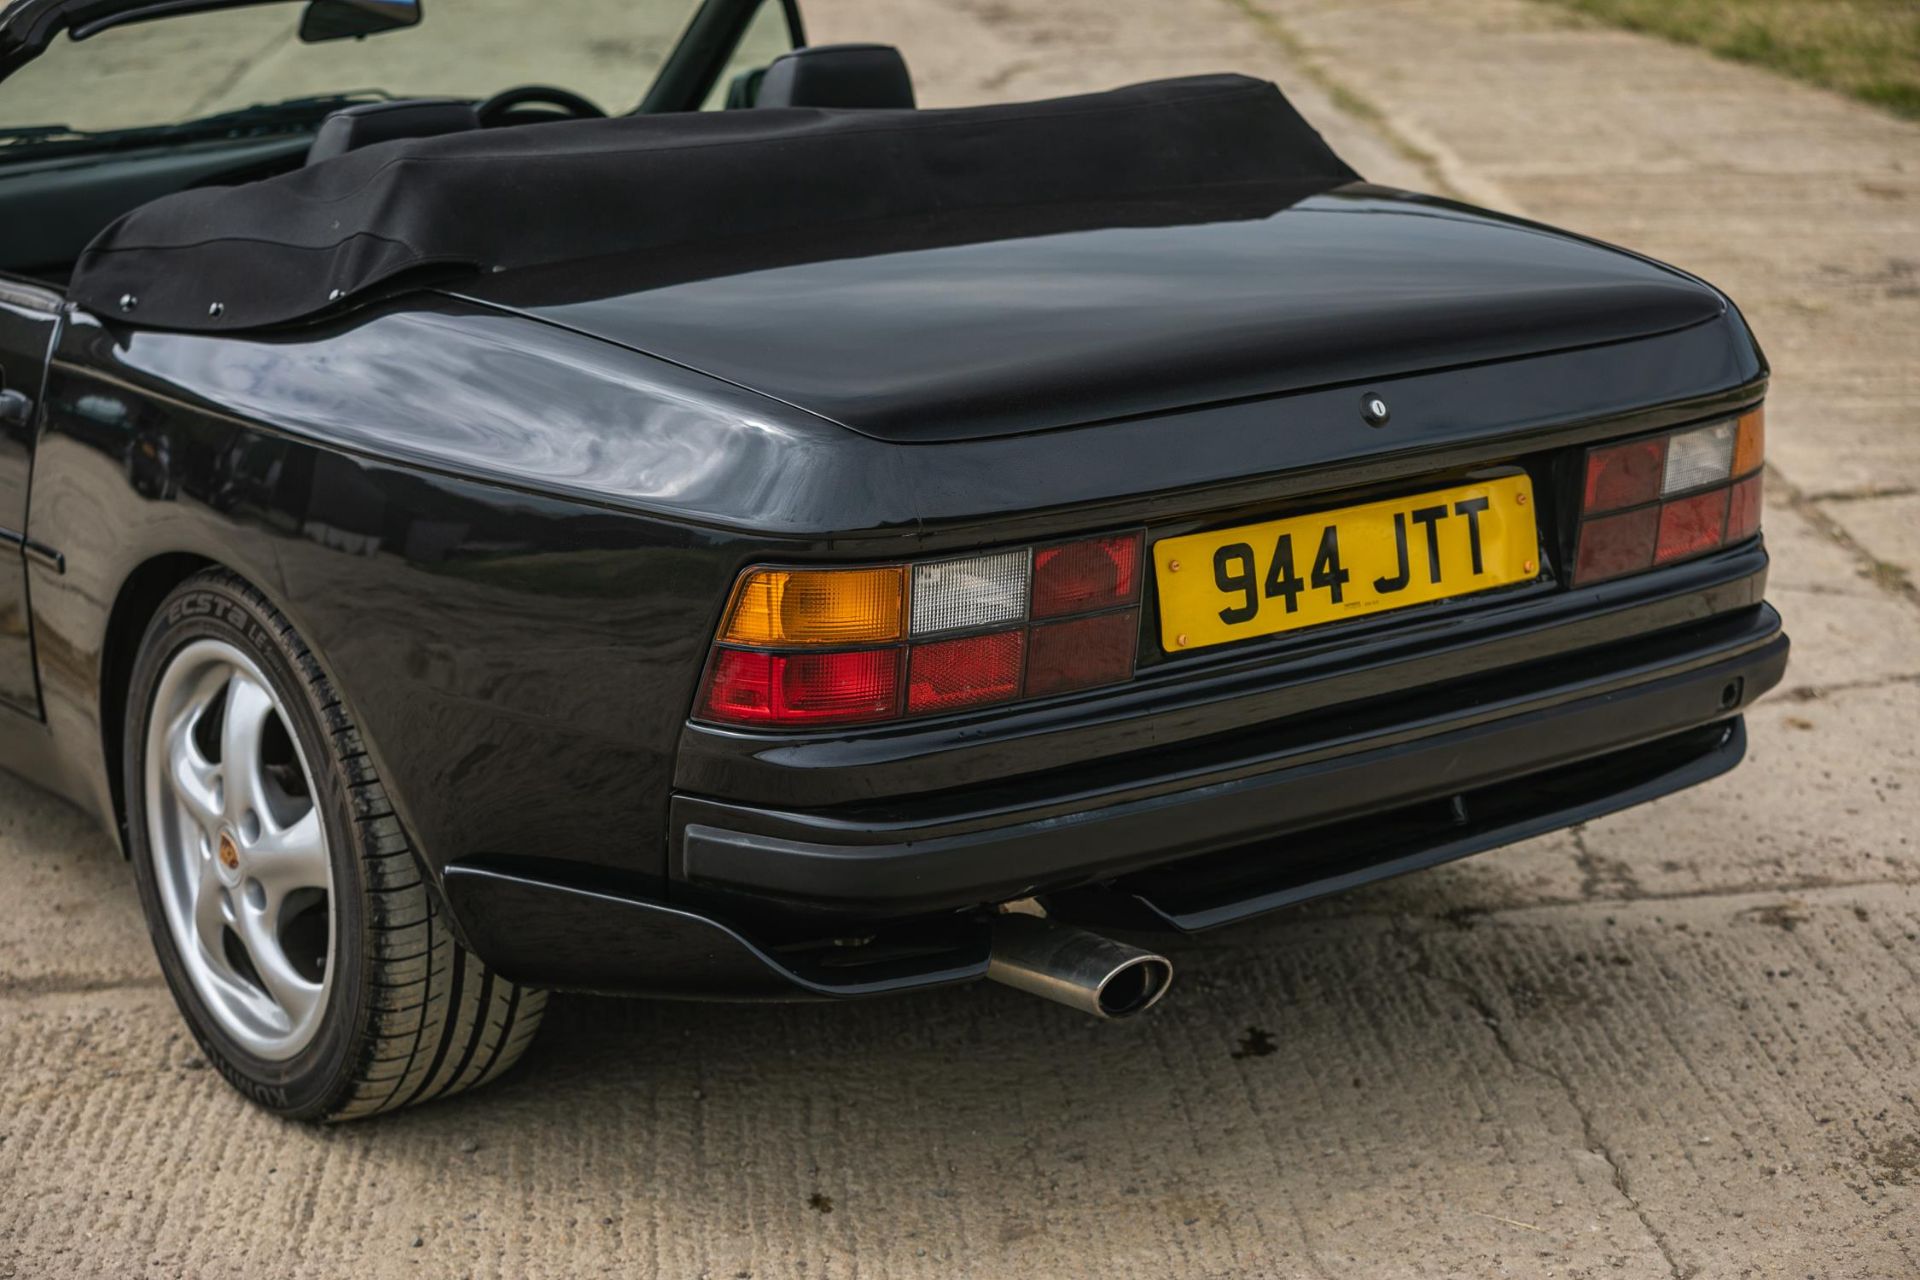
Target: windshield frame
[28,28]
[682,82]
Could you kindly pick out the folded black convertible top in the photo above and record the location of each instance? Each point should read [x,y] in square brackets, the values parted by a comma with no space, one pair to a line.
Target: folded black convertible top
[289,247]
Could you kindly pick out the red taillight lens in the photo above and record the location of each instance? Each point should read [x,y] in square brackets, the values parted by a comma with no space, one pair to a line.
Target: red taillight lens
[948,674]
[1743,512]
[1624,475]
[1082,577]
[748,687]
[1690,526]
[1613,545]
[1082,652]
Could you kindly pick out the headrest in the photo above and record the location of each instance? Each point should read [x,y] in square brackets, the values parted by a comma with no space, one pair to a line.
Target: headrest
[351,128]
[837,75]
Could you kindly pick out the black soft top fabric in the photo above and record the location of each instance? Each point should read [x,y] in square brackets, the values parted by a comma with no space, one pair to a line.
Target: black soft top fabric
[282,249]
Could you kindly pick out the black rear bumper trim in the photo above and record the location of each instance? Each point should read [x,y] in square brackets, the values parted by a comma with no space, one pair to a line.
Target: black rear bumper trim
[1222,889]
[527,919]
[532,926]
[893,869]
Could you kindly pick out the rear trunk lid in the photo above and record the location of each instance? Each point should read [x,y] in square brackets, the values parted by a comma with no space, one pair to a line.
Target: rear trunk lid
[925,342]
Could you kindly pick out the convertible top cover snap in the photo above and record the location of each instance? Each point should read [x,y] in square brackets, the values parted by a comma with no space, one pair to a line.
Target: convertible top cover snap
[290,247]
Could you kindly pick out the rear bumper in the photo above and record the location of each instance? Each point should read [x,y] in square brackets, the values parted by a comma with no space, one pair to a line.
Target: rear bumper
[1280,779]
[1220,829]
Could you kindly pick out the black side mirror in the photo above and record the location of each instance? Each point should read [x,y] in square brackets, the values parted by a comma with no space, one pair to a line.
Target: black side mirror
[744,89]
[354,19]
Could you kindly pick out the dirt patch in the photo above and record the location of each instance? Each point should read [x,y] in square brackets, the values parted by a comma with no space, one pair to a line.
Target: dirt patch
[1257,1043]
[1786,916]
[1896,1161]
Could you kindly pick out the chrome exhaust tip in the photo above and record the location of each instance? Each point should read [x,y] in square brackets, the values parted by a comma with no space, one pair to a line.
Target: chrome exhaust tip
[1081,970]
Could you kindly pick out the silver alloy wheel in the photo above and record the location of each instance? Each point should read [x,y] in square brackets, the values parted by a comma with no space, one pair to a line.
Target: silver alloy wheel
[239,849]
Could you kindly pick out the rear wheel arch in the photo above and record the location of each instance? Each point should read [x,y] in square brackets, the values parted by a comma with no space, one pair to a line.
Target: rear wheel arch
[414,995]
[141,595]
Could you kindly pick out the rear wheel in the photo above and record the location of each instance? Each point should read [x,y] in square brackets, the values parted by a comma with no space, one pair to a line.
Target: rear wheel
[291,918]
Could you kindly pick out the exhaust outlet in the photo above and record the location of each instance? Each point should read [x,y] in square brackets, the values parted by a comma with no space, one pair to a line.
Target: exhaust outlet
[1082,970]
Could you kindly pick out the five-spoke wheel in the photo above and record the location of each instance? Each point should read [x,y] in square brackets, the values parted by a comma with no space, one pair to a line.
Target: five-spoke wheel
[240,854]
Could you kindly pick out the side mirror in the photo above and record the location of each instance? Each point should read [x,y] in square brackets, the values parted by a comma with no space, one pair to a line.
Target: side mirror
[744,89]
[354,19]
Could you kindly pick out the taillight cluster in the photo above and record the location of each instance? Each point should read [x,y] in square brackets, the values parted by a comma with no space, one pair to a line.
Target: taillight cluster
[816,647]
[1661,499]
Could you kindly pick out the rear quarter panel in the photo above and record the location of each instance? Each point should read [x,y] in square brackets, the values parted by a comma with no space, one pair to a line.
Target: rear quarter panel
[519,657]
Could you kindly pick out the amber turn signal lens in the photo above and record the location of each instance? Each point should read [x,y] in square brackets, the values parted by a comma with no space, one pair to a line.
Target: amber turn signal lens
[816,606]
[1750,448]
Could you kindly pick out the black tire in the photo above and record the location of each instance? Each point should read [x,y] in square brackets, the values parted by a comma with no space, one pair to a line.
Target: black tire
[410,1014]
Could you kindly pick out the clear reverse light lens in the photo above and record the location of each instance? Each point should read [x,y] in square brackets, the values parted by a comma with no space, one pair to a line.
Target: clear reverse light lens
[980,591]
[1699,457]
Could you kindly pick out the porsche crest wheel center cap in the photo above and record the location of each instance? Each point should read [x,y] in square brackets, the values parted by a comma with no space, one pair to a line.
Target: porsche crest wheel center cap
[228,853]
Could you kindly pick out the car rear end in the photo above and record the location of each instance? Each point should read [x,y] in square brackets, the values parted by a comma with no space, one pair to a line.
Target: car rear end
[1069,718]
[1479,558]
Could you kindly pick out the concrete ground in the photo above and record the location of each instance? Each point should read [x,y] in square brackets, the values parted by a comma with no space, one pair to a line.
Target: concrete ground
[1682,1042]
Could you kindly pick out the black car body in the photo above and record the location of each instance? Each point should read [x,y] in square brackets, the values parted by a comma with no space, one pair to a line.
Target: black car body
[509,522]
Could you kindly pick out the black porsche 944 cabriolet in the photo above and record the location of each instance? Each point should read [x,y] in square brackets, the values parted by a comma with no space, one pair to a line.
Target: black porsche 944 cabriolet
[779,542]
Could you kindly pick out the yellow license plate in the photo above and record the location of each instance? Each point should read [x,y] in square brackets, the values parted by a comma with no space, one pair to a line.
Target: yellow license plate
[1304,571]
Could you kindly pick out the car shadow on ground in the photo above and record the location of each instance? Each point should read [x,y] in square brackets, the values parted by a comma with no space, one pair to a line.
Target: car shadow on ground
[1339,1028]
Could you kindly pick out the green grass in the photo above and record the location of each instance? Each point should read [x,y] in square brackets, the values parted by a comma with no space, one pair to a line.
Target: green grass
[1867,48]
